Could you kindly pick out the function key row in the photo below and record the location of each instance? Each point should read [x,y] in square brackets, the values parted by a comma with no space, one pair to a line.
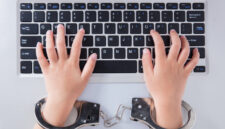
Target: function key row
[54,6]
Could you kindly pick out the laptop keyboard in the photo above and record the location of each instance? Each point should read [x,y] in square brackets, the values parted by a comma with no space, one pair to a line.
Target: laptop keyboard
[117,32]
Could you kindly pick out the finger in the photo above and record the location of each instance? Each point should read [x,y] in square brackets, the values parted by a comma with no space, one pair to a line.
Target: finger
[194,61]
[89,67]
[76,46]
[41,58]
[175,47]
[60,42]
[147,62]
[159,45]
[50,47]
[184,52]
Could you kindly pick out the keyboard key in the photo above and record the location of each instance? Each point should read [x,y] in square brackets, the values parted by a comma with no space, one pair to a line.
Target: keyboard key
[28,54]
[141,52]
[97,28]
[88,41]
[141,16]
[199,28]
[149,41]
[53,6]
[167,16]
[100,41]
[106,5]
[186,28]
[103,16]
[195,16]
[113,40]
[26,67]
[115,66]
[64,16]
[199,69]
[174,26]
[25,16]
[200,50]
[29,28]
[172,6]
[78,16]
[128,16]
[26,6]
[66,6]
[179,16]
[154,16]
[86,27]
[90,16]
[116,16]
[79,6]
[71,28]
[122,28]
[135,28]
[29,41]
[55,28]
[132,53]
[139,40]
[119,6]
[185,5]
[146,6]
[37,68]
[52,16]
[83,54]
[93,6]
[45,27]
[110,28]
[132,6]
[140,67]
[147,27]
[196,40]
[159,6]
[166,40]
[94,50]
[161,28]
[39,16]
[126,40]
[40,6]
[71,38]
[198,5]
[107,53]
[119,53]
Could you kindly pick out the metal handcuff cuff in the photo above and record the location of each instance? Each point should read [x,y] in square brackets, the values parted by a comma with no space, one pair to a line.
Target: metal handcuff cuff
[142,110]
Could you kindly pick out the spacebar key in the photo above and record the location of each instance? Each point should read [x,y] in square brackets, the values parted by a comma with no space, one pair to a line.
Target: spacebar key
[109,66]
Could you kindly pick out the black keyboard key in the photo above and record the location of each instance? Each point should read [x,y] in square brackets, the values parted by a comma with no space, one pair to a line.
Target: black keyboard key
[135,28]
[83,54]
[37,68]
[107,53]
[64,16]
[122,28]
[199,28]
[52,16]
[66,6]
[116,16]
[44,28]
[115,66]
[55,28]
[195,16]
[25,16]
[97,28]
[166,40]
[90,16]
[159,6]
[154,16]
[103,16]
[100,41]
[167,16]
[29,41]
[40,6]
[149,41]
[185,5]
[53,6]
[200,50]
[71,28]
[147,27]
[94,50]
[128,16]
[26,6]
[106,5]
[141,16]
[186,28]
[172,6]
[28,54]
[93,6]
[78,16]
[110,28]
[29,29]
[196,40]
[88,41]
[146,6]
[71,38]
[119,53]
[139,40]
[179,16]
[126,40]
[132,53]
[26,67]
[86,27]
[161,28]
[174,26]
[140,67]
[79,6]
[141,52]
[198,6]
[132,6]
[119,6]
[39,16]
[199,69]
[113,40]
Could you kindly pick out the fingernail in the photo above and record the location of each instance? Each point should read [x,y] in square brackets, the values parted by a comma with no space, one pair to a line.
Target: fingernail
[94,56]
[172,31]
[152,31]
[60,25]
[49,32]
[37,44]
[82,30]
[145,50]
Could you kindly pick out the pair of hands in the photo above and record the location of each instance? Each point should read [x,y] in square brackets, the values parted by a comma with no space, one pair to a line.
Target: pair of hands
[65,82]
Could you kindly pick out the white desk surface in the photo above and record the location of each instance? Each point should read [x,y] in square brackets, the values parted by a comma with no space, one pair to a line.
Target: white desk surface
[206,94]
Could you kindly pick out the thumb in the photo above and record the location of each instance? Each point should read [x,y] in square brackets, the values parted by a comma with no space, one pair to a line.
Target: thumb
[147,62]
[89,67]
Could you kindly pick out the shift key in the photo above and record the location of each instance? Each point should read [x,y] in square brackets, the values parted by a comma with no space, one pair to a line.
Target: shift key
[29,28]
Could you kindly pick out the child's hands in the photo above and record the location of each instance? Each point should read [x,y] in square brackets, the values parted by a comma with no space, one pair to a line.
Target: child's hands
[63,78]
[167,79]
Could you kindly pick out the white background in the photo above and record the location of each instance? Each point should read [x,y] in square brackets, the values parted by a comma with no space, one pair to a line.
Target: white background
[206,94]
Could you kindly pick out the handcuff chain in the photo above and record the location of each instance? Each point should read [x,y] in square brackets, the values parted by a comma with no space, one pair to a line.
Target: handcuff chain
[109,122]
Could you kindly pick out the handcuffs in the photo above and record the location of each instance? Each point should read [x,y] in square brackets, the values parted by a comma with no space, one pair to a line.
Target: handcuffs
[89,113]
